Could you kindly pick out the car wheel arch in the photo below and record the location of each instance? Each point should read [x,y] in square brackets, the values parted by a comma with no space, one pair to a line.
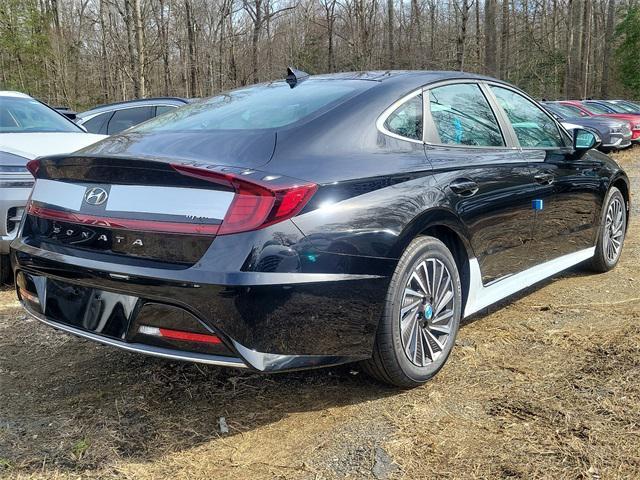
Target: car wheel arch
[446,227]
[622,184]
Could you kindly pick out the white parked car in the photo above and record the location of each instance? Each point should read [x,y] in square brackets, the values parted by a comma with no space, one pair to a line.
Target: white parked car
[28,129]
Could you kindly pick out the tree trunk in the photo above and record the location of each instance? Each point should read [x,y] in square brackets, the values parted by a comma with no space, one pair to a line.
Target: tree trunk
[490,35]
[191,48]
[390,18]
[478,35]
[462,35]
[140,59]
[608,49]
[504,41]
[104,61]
[131,48]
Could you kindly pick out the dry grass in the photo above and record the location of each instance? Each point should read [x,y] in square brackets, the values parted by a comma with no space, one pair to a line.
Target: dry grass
[544,387]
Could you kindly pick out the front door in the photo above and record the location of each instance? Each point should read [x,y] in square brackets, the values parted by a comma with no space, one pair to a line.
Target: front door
[568,190]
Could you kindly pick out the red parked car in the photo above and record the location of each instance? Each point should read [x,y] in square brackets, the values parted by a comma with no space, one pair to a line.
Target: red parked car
[595,110]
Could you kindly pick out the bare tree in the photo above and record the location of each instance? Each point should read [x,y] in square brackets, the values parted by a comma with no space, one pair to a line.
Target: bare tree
[490,36]
[608,49]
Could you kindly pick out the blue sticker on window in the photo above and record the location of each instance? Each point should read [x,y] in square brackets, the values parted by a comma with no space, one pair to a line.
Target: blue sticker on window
[458,126]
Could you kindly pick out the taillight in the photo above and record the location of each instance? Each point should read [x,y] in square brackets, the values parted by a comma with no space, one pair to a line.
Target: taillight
[33,166]
[256,204]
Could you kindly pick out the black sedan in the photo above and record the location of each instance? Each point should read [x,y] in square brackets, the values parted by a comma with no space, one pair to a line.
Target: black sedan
[316,221]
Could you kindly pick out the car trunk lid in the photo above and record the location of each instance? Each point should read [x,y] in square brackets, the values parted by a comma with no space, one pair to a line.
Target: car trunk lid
[154,210]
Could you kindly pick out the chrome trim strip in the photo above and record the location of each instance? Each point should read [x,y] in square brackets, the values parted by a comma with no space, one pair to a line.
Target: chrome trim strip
[481,296]
[189,202]
[144,349]
[193,203]
[60,194]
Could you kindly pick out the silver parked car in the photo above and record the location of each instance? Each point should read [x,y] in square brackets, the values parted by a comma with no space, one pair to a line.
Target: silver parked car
[116,117]
[28,129]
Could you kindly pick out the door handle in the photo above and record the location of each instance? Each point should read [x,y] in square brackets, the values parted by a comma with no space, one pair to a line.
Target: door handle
[544,178]
[464,187]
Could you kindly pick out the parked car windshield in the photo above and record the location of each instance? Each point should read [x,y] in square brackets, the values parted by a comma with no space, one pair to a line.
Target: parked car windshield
[28,115]
[597,108]
[258,107]
[627,107]
[566,111]
[617,108]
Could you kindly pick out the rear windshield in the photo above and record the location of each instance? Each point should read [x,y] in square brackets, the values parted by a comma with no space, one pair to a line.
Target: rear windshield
[19,115]
[267,106]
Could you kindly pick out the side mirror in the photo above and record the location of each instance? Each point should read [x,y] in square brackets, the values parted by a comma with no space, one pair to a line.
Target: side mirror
[584,140]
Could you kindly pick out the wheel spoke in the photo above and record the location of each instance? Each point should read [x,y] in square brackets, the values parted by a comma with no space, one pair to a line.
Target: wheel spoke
[437,288]
[440,328]
[425,271]
[413,293]
[444,301]
[415,277]
[445,316]
[409,308]
[430,335]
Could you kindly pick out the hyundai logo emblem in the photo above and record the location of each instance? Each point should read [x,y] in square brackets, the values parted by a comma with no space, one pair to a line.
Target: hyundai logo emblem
[96,196]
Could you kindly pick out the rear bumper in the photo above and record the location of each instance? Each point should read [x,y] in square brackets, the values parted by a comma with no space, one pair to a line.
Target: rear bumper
[267,321]
[168,353]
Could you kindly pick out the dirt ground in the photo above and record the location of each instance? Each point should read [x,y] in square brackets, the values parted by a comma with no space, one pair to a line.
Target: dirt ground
[544,387]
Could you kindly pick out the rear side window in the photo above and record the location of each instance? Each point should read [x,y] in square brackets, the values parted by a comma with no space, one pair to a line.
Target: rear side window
[406,120]
[128,117]
[97,124]
[160,109]
[267,106]
[533,127]
[462,116]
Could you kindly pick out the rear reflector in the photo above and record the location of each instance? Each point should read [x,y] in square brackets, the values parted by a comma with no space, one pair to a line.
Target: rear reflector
[179,335]
[256,204]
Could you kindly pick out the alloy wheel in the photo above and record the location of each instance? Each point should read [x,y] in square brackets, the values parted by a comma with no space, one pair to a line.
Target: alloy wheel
[427,312]
[614,230]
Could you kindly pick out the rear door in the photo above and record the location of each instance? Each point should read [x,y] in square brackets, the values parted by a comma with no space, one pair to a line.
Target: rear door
[486,180]
[567,187]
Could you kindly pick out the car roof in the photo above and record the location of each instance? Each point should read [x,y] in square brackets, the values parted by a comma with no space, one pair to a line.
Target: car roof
[9,93]
[133,103]
[382,75]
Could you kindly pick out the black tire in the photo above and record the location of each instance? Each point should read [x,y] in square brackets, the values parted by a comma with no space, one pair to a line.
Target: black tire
[602,260]
[6,275]
[390,362]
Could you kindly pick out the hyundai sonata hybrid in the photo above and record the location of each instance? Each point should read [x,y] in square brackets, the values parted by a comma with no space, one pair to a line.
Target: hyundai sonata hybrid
[315,221]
